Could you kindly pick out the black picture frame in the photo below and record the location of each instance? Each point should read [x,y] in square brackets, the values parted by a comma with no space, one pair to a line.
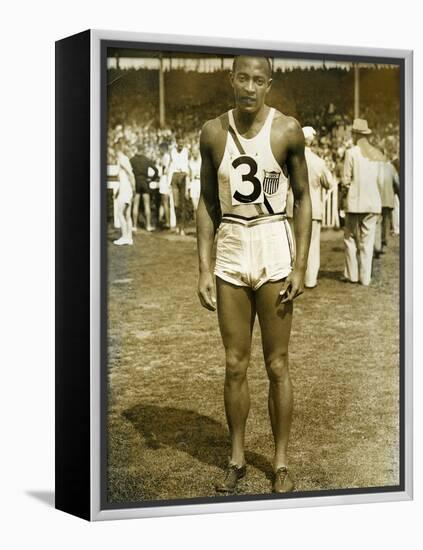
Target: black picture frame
[81,276]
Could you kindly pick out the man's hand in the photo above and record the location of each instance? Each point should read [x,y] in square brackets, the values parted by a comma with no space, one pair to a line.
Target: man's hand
[293,286]
[206,291]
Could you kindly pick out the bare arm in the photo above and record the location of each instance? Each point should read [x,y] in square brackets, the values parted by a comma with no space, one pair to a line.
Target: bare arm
[297,168]
[207,219]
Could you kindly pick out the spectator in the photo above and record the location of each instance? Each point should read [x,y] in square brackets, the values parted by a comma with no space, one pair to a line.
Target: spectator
[179,171]
[194,177]
[144,172]
[124,195]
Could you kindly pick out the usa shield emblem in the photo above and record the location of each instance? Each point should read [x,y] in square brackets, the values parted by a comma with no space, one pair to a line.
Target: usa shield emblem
[271,182]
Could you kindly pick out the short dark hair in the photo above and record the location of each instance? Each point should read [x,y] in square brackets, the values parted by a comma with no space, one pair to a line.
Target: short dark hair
[268,59]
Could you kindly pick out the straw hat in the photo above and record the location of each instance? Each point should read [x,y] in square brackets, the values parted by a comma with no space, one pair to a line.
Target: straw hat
[360,126]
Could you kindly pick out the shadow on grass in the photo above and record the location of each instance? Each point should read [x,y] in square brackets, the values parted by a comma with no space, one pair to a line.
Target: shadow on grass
[200,436]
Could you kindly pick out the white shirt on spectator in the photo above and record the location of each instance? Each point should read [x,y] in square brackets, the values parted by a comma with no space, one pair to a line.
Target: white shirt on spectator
[179,160]
[362,174]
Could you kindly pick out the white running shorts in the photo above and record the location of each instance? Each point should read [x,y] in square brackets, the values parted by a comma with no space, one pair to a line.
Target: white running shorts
[252,252]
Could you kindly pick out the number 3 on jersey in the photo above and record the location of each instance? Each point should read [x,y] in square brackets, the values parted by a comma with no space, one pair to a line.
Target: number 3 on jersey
[246,188]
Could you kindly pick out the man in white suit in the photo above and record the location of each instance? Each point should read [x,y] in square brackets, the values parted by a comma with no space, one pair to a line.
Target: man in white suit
[362,178]
[390,186]
[319,177]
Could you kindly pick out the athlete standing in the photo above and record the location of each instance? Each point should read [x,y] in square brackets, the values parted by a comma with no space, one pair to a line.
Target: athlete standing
[124,194]
[247,155]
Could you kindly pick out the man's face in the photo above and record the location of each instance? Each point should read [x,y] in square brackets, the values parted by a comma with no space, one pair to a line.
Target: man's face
[251,82]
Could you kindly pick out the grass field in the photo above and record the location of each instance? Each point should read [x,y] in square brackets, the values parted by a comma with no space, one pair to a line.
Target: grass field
[166,423]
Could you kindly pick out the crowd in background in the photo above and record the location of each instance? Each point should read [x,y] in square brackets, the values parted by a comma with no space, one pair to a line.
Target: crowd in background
[133,114]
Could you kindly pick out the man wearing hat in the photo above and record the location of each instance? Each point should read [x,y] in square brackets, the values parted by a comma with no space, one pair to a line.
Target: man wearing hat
[362,179]
[319,177]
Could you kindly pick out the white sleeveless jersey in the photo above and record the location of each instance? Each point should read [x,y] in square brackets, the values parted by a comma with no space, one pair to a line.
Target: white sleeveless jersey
[251,182]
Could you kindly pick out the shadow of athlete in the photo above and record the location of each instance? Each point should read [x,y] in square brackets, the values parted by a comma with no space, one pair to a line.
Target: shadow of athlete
[186,430]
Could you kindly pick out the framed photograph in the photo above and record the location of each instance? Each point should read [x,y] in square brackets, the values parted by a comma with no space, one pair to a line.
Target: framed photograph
[233,275]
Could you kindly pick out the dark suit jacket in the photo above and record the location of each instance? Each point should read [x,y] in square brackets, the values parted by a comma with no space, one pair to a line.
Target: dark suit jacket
[140,165]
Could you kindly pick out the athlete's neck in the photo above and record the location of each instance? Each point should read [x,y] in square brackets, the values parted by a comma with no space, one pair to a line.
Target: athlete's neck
[244,120]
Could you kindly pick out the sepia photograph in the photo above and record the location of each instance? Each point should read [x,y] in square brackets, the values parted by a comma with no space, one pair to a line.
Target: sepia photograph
[252,229]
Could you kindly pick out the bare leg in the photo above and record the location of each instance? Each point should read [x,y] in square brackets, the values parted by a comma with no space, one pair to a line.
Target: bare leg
[236,314]
[122,219]
[147,210]
[165,204]
[176,202]
[136,210]
[275,322]
[128,218]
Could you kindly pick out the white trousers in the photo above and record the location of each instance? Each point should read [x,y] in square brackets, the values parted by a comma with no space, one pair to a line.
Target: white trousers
[396,216]
[359,239]
[313,262]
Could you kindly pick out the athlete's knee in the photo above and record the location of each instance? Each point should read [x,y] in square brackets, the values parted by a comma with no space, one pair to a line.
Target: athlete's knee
[236,365]
[277,367]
